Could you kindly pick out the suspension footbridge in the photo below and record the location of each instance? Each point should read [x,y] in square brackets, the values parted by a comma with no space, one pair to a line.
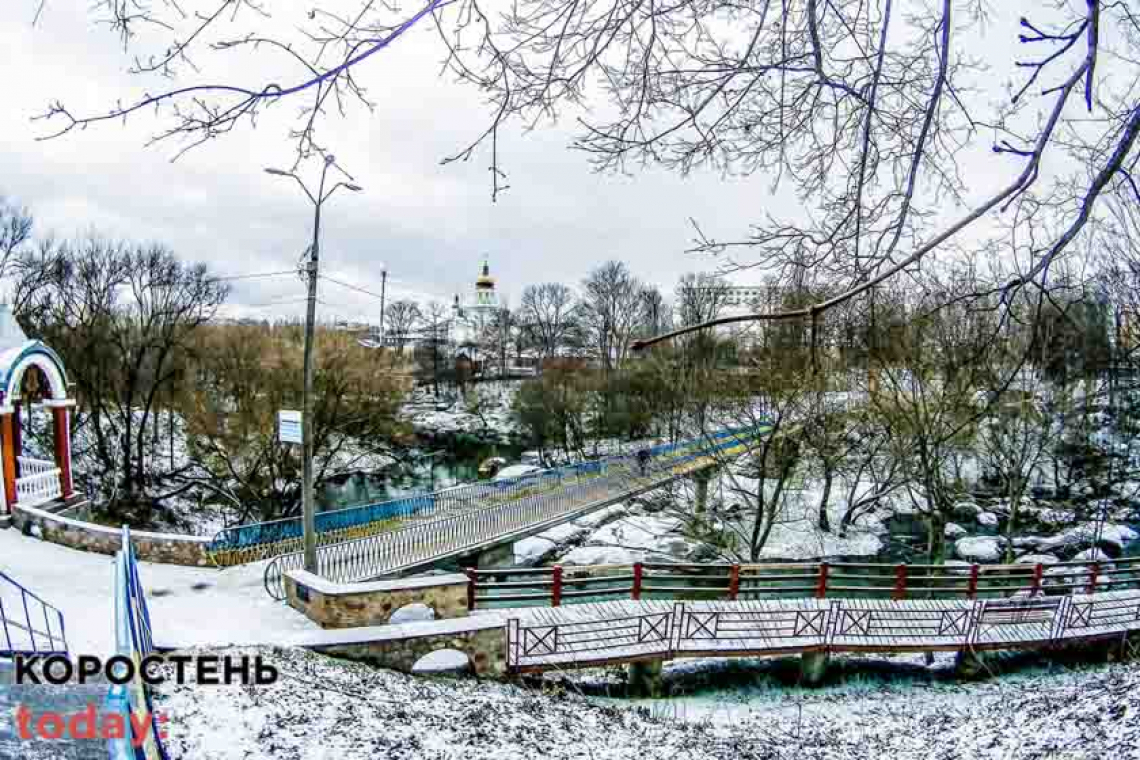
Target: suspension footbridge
[404,536]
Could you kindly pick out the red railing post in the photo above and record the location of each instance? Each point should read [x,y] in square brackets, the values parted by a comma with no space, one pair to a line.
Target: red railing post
[821,587]
[1038,574]
[471,581]
[972,590]
[734,582]
[635,592]
[1094,574]
[556,589]
[900,582]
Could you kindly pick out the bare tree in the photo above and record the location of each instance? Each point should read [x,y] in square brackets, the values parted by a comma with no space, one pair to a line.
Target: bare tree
[435,334]
[244,374]
[769,396]
[547,312]
[402,318]
[611,312]
[497,338]
[655,311]
[15,230]
[864,109]
[700,297]
[120,315]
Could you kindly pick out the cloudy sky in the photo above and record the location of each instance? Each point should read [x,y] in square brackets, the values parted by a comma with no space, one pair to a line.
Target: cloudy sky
[429,224]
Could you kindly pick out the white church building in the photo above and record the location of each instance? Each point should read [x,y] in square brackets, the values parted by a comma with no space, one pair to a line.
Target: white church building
[472,315]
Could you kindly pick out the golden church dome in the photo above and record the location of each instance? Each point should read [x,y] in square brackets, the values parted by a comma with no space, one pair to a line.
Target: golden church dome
[485,281]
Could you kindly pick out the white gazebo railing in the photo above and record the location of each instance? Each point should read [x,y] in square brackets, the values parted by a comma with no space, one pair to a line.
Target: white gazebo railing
[43,486]
[30,466]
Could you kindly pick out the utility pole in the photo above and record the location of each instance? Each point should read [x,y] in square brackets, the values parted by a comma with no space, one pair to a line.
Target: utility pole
[383,288]
[308,510]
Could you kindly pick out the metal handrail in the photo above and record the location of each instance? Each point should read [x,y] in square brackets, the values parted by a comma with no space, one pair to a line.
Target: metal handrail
[56,640]
[520,513]
[966,582]
[257,540]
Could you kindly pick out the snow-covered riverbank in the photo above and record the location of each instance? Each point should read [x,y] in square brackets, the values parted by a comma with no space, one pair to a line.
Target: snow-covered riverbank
[323,708]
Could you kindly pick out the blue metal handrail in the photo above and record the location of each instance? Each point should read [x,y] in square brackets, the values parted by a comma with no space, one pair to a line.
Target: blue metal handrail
[274,531]
[133,640]
[18,608]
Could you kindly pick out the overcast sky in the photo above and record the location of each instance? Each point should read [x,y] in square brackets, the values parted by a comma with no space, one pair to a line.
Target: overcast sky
[429,224]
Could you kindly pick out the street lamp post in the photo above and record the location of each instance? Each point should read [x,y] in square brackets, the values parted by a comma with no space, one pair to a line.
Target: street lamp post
[308,514]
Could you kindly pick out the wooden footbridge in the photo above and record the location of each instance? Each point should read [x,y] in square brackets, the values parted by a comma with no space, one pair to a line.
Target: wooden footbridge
[664,611]
[592,635]
[398,538]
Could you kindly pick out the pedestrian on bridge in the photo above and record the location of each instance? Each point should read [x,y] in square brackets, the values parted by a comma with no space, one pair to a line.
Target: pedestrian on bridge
[643,457]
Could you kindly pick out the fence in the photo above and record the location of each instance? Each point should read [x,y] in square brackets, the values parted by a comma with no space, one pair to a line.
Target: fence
[21,613]
[134,640]
[38,488]
[661,630]
[258,541]
[555,586]
[521,508]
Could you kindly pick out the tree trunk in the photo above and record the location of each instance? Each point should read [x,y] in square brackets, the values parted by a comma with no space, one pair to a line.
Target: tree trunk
[824,521]
[937,542]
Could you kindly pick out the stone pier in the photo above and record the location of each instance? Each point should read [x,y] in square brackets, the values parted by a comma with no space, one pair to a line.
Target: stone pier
[644,678]
[496,557]
[813,667]
[971,664]
[701,486]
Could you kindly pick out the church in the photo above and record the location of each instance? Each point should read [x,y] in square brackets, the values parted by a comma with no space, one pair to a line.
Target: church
[472,316]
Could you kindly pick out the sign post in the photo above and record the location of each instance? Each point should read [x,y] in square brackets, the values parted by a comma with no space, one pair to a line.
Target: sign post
[289,426]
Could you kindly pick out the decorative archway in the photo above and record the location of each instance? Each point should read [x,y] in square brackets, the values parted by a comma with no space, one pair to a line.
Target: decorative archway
[28,481]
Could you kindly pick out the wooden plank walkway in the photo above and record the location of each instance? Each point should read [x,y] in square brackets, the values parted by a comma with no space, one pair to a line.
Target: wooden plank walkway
[624,631]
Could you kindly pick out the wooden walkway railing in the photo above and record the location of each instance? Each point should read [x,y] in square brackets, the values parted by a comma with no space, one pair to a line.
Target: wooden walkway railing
[555,586]
[468,530]
[591,635]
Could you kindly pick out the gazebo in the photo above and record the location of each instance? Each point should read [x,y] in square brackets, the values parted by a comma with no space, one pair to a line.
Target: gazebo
[28,481]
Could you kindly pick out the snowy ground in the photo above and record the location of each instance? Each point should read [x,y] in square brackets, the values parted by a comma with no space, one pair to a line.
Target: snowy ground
[323,709]
[624,534]
[188,605]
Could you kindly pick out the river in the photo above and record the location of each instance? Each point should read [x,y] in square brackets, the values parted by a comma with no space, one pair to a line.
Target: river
[423,471]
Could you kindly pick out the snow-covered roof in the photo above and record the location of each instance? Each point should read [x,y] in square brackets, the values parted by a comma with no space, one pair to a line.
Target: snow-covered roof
[17,351]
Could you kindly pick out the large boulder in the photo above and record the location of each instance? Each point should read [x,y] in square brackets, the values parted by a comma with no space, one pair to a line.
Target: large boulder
[602,555]
[966,510]
[533,551]
[1112,539]
[987,519]
[1037,559]
[979,548]
[602,516]
[954,531]
[1092,555]
[958,567]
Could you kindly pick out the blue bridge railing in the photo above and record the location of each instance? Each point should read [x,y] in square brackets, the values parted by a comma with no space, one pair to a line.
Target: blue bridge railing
[255,541]
[30,625]
[133,640]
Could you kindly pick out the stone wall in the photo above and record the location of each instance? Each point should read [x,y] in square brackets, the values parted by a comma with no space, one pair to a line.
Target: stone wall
[353,605]
[398,647]
[168,548]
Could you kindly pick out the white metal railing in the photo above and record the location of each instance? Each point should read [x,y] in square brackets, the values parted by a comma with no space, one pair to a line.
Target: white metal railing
[38,488]
[30,466]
